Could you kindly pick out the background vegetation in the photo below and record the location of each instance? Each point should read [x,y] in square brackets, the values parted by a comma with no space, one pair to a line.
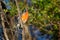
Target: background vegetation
[42,13]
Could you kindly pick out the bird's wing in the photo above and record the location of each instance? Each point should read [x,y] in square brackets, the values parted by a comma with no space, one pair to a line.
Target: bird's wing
[24,17]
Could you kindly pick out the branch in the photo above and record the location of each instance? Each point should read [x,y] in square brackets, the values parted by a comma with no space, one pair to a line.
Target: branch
[2,18]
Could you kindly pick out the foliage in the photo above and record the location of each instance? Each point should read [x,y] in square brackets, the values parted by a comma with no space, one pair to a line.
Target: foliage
[45,12]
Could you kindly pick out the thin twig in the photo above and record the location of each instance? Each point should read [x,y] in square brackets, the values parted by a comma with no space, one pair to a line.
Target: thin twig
[20,21]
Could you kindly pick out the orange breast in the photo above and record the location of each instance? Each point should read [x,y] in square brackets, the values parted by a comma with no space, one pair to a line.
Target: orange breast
[24,17]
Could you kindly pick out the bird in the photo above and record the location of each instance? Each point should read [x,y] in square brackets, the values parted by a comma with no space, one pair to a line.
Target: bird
[25,16]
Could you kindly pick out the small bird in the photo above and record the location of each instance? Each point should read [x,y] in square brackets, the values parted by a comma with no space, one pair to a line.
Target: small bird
[24,16]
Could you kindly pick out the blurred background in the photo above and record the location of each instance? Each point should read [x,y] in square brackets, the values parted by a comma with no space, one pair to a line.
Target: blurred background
[29,19]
